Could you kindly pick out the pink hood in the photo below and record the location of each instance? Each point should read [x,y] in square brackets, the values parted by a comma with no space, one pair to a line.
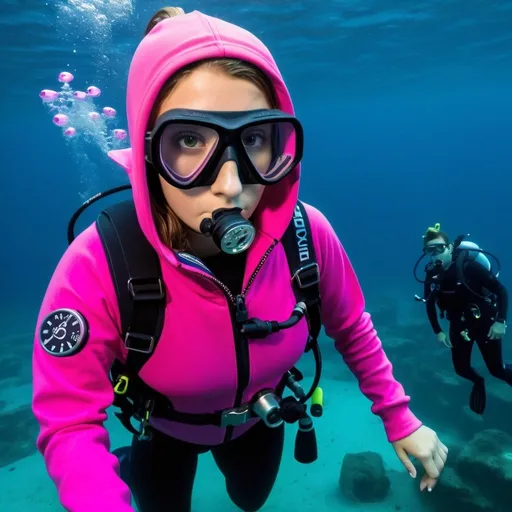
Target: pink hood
[171,45]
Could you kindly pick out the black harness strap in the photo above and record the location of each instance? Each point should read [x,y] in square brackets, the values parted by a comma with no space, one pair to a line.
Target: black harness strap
[137,278]
[140,291]
[300,252]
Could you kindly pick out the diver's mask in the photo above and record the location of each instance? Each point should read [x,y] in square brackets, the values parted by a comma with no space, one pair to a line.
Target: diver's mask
[189,147]
[439,254]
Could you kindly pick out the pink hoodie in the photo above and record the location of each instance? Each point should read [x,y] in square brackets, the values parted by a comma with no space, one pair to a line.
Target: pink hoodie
[194,363]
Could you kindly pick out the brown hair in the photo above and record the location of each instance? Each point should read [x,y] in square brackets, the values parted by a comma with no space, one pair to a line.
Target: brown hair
[432,234]
[170,228]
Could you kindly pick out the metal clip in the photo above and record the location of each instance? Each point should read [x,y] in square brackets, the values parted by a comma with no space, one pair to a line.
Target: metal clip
[236,417]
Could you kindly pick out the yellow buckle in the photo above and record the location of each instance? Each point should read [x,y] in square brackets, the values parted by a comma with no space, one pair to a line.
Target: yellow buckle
[121,386]
[145,420]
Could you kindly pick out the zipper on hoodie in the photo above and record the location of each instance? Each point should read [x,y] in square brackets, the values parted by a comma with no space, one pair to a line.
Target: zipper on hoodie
[239,315]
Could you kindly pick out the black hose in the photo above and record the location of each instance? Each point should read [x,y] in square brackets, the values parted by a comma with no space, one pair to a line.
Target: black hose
[318,371]
[86,204]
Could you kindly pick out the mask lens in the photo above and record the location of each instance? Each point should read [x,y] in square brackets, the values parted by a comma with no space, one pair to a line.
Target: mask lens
[271,148]
[185,149]
[435,249]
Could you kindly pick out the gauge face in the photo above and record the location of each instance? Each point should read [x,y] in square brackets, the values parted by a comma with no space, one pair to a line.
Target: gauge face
[63,332]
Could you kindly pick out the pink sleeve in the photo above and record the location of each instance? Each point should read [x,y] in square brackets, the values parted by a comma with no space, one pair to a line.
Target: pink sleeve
[71,393]
[346,322]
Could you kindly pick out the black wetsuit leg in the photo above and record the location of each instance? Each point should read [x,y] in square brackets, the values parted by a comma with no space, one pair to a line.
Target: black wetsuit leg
[461,354]
[492,354]
[461,358]
[162,473]
[250,465]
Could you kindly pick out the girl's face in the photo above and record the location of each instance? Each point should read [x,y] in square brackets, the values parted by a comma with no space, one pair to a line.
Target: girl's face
[210,89]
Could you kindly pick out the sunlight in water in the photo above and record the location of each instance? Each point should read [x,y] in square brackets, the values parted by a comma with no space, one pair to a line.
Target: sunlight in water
[94,18]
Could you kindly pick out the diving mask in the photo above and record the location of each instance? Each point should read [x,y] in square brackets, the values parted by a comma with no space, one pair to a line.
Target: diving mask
[434,249]
[189,147]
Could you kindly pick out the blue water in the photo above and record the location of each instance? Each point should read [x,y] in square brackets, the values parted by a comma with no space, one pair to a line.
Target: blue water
[407,113]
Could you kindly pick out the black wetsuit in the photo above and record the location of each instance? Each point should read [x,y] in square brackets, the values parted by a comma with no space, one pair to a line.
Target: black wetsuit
[470,316]
[161,472]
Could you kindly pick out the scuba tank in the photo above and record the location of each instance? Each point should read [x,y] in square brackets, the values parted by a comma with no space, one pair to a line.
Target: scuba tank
[475,254]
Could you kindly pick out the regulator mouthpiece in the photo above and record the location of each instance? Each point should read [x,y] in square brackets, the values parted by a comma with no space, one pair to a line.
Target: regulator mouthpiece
[230,232]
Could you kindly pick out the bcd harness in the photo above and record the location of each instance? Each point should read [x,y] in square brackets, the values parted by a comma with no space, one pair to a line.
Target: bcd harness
[473,308]
[140,291]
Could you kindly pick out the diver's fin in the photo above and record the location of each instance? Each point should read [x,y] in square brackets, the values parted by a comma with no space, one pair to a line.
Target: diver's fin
[477,400]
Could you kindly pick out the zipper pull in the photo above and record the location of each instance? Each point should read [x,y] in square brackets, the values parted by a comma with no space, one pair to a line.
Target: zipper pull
[241,315]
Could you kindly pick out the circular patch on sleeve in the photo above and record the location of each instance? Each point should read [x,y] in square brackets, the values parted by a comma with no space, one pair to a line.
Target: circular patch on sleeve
[63,332]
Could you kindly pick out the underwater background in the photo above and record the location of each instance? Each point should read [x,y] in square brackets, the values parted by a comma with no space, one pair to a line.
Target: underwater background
[407,110]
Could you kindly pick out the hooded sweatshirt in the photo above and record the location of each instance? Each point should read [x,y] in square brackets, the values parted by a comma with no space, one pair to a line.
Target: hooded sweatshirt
[197,363]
